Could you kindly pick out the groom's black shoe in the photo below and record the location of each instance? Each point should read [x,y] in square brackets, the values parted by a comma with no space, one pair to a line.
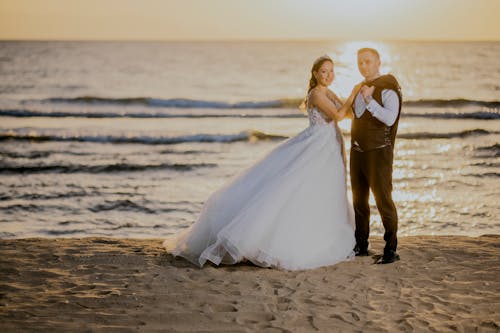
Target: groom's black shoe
[388,257]
[362,252]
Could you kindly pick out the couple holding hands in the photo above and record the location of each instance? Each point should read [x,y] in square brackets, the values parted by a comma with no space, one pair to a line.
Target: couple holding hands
[290,209]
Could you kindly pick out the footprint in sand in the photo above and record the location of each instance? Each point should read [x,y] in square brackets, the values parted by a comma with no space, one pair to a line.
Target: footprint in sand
[218,307]
[425,305]
[254,318]
[285,304]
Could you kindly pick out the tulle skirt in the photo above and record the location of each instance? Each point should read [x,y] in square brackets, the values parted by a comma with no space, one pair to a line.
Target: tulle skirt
[289,210]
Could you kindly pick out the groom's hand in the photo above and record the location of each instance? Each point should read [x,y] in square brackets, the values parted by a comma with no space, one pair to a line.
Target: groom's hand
[367,93]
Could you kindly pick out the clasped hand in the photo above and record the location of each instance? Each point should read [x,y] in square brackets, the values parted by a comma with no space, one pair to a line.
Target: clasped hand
[365,91]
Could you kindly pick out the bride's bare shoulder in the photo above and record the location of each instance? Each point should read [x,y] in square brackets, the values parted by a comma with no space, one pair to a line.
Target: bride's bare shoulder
[314,94]
[311,98]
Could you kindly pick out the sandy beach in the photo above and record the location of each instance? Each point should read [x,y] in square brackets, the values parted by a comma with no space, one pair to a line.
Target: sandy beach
[445,283]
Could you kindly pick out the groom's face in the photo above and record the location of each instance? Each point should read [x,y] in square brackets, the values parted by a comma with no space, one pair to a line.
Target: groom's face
[368,64]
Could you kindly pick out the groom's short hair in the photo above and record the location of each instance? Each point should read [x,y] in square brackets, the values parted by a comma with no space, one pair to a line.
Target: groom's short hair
[371,50]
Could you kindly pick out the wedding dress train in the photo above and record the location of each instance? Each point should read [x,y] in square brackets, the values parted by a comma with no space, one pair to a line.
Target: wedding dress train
[289,210]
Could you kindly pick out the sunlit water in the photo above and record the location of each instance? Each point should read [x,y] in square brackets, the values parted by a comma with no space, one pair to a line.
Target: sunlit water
[129,139]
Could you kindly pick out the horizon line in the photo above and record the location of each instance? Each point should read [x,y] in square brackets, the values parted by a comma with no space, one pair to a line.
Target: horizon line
[232,40]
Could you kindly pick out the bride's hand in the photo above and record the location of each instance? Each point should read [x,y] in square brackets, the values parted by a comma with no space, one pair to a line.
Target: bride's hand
[355,91]
[357,88]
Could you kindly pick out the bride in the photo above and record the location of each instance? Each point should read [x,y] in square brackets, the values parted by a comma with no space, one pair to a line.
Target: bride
[290,209]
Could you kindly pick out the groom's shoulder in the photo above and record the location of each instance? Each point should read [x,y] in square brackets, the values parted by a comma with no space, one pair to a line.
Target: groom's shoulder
[389,81]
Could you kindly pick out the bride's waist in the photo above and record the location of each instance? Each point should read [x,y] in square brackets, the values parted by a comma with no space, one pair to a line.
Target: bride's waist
[326,128]
[330,124]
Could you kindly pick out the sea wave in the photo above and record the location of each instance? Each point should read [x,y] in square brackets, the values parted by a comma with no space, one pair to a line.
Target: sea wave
[484,115]
[63,232]
[249,135]
[177,102]
[106,168]
[124,205]
[42,196]
[21,113]
[28,113]
[292,102]
[448,135]
[28,155]
[37,154]
[129,205]
[452,103]
[488,151]
[41,154]
[483,175]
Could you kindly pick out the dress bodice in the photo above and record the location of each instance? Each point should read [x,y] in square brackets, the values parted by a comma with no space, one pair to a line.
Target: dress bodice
[316,117]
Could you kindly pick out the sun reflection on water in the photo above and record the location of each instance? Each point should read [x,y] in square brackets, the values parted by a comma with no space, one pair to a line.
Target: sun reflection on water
[405,196]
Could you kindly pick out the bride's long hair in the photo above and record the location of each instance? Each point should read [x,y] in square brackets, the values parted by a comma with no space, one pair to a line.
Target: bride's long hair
[312,81]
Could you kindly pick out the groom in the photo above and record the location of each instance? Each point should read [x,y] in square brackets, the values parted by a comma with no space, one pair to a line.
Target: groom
[377,108]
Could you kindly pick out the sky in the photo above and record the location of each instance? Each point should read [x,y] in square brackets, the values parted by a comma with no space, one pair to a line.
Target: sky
[250,19]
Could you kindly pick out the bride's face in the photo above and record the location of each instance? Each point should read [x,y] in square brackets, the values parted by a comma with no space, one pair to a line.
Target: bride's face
[325,75]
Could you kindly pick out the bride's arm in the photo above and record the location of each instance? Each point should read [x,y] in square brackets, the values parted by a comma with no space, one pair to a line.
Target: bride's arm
[327,106]
[335,98]
[349,101]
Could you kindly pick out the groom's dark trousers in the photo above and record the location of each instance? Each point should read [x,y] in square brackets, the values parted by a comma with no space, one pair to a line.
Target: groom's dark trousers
[373,170]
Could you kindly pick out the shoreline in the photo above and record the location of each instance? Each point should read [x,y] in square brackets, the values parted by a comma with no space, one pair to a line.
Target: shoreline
[442,283]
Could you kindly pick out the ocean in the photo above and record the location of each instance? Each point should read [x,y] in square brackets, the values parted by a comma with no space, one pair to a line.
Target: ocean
[128,139]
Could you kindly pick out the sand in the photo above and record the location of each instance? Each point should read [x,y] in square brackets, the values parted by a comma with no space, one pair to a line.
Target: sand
[443,284]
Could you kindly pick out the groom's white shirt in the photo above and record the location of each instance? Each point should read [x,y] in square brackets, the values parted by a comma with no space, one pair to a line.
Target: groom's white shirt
[386,114]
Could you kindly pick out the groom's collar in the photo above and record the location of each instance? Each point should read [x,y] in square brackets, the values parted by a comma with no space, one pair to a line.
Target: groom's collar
[369,82]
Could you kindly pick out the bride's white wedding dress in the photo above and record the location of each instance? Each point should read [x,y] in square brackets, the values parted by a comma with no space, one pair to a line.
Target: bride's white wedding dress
[289,210]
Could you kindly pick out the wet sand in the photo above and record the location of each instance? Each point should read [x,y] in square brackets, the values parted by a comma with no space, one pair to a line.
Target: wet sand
[442,283]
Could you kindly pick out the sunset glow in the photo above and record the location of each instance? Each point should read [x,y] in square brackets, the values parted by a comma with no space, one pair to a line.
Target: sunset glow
[244,20]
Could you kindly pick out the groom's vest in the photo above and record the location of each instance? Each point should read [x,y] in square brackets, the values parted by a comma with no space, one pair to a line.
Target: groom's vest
[369,133]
